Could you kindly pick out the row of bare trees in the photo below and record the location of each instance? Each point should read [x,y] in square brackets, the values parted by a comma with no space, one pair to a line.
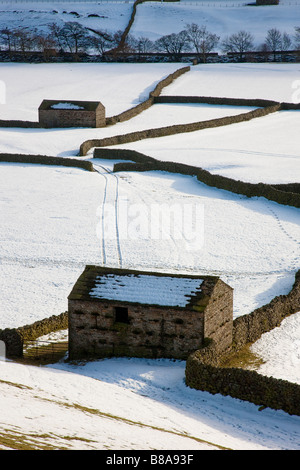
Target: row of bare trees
[200,40]
[74,38]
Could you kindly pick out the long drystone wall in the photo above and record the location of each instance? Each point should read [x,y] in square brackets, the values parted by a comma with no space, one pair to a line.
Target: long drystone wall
[176,129]
[214,100]
[249,328]
[204,369]
[243,384]
[285,195]
[132,112]
[19,123]
[46,160]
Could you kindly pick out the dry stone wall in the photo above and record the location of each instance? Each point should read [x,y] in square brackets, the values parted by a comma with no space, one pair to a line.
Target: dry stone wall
[176,129]
[249,328]
[132,112]
[242,384]
[282,194]
[46,160]
[14,338]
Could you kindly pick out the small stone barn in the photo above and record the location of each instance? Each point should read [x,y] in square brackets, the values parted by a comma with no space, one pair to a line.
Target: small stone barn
[60,113]
[114,312]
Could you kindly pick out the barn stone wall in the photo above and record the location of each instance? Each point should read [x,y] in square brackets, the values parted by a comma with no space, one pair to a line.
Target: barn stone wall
[151,332]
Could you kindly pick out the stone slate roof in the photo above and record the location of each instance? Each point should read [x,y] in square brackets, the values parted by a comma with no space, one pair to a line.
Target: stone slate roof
[143,288]
[86,105]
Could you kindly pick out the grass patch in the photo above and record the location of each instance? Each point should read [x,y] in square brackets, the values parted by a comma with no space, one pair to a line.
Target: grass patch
[243,359]
[44,353]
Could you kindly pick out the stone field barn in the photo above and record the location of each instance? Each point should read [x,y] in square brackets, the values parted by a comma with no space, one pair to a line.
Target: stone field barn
[60,113]
[117,312]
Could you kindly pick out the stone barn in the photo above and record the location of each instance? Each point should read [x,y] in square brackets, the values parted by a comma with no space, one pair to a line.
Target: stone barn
[60,113]
[116,312]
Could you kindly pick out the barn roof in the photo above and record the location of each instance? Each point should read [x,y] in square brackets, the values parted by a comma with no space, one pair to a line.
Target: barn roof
[141,287]
[67,104]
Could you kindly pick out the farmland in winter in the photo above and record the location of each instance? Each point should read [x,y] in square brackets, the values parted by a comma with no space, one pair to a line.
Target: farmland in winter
[51,228]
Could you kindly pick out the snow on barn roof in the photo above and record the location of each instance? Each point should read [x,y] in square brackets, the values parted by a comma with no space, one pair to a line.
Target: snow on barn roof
[70,105]
[146,289]
[138,287]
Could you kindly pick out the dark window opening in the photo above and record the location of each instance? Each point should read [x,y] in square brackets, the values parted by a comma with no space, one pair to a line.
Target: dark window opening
[121,314]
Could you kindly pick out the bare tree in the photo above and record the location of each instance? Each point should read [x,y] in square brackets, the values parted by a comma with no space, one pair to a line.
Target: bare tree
[56,34]
[144,45]
[124,43]
[274,41]
[75,36]
[173,44]
[6,35]
[47,44]
[101,41]
[297,37]
[240,42]
[286,42]
[24,40]
[202,40]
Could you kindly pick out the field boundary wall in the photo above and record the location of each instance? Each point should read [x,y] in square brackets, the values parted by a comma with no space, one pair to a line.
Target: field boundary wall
[136,161]
[132,112]
[46,160]
[204,370]
[177,129]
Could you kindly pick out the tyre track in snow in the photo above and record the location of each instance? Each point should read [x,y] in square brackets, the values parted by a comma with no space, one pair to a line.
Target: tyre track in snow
[145,198]
[107,174]
[147,201]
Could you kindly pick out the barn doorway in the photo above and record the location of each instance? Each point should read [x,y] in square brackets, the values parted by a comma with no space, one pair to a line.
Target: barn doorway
[121,315]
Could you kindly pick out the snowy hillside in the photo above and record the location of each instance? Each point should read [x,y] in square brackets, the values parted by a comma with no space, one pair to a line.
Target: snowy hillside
[155,19]
[128,404]
[52,226]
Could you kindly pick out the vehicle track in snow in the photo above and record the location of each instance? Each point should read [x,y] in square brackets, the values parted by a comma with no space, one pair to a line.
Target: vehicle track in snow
[147,198]
[109,177]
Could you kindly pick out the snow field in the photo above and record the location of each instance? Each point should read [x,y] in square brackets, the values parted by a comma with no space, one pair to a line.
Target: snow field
[132,404]
[261,150]
[154,19]
[117,87]
[242,238]
[48,235]
[112,17]
[50,217]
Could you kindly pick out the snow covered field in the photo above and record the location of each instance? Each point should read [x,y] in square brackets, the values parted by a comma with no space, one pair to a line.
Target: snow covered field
[112,16]
[155,19]
[269,144]
[223,18]
[51,227]
[119,87]
[242,238]
[128,404]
